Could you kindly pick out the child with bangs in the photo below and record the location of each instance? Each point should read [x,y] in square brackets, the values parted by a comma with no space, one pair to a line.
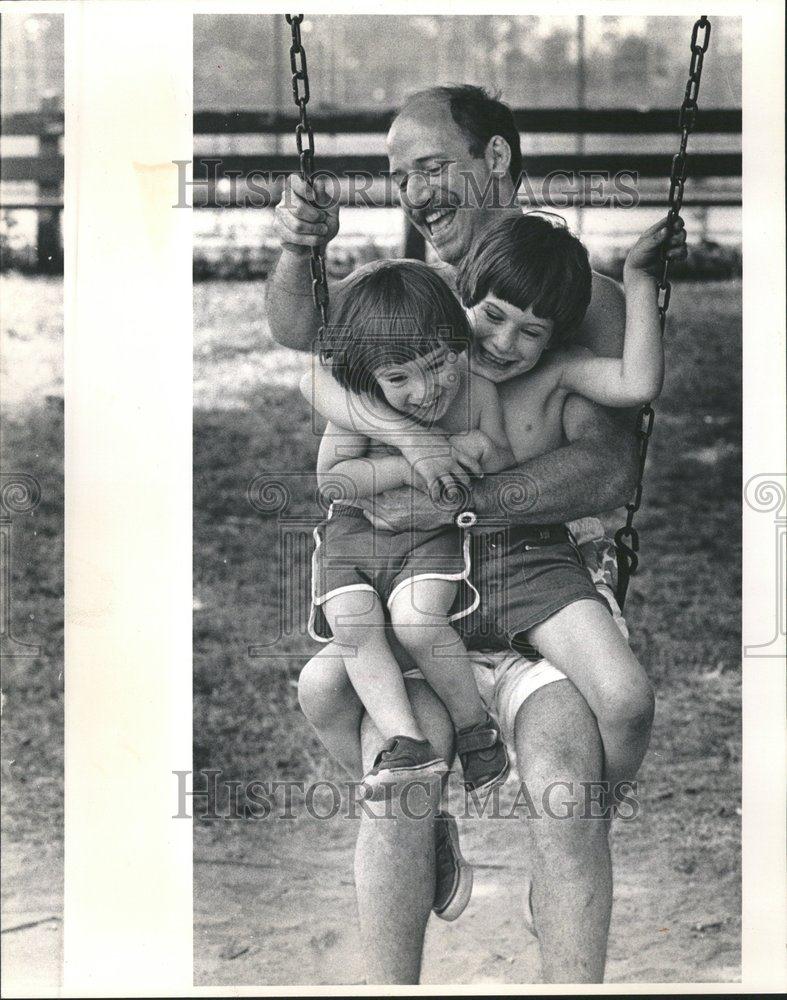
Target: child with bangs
[526,286]
[399,335]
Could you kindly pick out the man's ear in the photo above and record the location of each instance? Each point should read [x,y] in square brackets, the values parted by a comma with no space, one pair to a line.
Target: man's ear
[498,155]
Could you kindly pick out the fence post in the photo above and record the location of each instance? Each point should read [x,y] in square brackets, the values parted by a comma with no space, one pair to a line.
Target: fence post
[49,247]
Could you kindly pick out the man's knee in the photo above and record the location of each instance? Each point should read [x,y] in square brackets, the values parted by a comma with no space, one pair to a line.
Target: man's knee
[557,736]
[630,707]
[560,757]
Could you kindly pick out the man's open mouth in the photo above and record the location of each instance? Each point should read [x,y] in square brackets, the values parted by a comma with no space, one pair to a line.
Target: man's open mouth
[438,221]
[493,360]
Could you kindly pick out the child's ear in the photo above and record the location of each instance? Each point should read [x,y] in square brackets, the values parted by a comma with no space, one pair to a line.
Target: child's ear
[498,155]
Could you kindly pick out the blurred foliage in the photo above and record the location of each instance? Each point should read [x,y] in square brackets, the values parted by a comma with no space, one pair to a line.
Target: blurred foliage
[241,61]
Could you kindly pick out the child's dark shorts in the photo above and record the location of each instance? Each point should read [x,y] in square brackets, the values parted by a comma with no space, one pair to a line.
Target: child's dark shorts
[351,555]
[523,575]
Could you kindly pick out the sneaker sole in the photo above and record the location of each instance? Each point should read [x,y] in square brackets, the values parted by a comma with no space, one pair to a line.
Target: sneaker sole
[529,921]
[464,889]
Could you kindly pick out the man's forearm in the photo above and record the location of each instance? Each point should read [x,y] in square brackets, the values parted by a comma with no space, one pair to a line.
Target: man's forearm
[292,317]
[579,479]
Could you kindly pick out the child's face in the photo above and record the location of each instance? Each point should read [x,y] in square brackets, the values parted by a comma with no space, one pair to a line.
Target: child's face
[423,387]
[508,340]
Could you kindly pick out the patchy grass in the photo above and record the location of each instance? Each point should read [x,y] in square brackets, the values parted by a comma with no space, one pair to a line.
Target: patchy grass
[32,730]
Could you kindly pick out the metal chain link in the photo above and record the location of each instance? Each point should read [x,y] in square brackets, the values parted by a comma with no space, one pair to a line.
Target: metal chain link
[304,140]
[627,537]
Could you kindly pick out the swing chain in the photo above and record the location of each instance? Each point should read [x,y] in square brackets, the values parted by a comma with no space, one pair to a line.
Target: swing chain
[627,537]
[304,140]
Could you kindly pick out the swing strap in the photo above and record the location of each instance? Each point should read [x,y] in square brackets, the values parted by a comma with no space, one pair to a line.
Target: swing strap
[627,537]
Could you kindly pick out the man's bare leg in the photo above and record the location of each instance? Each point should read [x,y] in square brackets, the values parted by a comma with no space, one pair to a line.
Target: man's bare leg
[557,740]
[394,858]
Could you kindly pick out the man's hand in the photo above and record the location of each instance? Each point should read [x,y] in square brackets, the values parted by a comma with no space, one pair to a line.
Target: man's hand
[306,216]
[645,257]
[404,509]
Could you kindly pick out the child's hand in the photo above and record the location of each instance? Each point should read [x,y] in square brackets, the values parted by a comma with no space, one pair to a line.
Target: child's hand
[646,257]
[438,472]
[472,444]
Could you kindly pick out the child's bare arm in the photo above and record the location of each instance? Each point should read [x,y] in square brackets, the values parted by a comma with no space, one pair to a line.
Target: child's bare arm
[488,443]
[638,376]
[342,461]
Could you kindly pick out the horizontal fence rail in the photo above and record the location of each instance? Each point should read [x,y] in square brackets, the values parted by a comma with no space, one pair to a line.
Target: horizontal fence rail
[210,169]
[210,166]
[586,120]
[45,170]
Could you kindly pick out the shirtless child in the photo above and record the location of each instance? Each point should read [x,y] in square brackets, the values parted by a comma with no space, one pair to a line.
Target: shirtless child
[541,288]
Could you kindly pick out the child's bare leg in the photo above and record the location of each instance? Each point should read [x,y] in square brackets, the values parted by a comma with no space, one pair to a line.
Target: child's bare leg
[329,702]
[358,624]
[419,616]
[583,641]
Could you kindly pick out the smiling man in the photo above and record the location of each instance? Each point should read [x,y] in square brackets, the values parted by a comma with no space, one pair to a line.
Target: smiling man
[455,157]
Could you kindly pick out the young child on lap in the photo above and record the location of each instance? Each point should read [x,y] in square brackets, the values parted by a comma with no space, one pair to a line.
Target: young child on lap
[535,278]
[399,334]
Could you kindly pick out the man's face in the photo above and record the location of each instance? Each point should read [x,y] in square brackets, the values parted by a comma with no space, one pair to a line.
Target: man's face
[507,341]
[439,183]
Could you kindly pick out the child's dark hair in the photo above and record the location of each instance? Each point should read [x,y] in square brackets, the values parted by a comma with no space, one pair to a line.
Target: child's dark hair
[530,262]
[387,313]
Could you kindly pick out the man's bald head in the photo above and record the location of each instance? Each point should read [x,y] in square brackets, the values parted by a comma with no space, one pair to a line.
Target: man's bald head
[455,160]
[478,115]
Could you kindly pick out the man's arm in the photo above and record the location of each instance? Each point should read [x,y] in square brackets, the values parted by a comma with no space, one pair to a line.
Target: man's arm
[594,471]
[292,317]
[305,217]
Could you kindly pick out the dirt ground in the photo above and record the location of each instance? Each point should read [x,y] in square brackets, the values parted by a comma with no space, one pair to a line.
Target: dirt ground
[274,899]
[31,947]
